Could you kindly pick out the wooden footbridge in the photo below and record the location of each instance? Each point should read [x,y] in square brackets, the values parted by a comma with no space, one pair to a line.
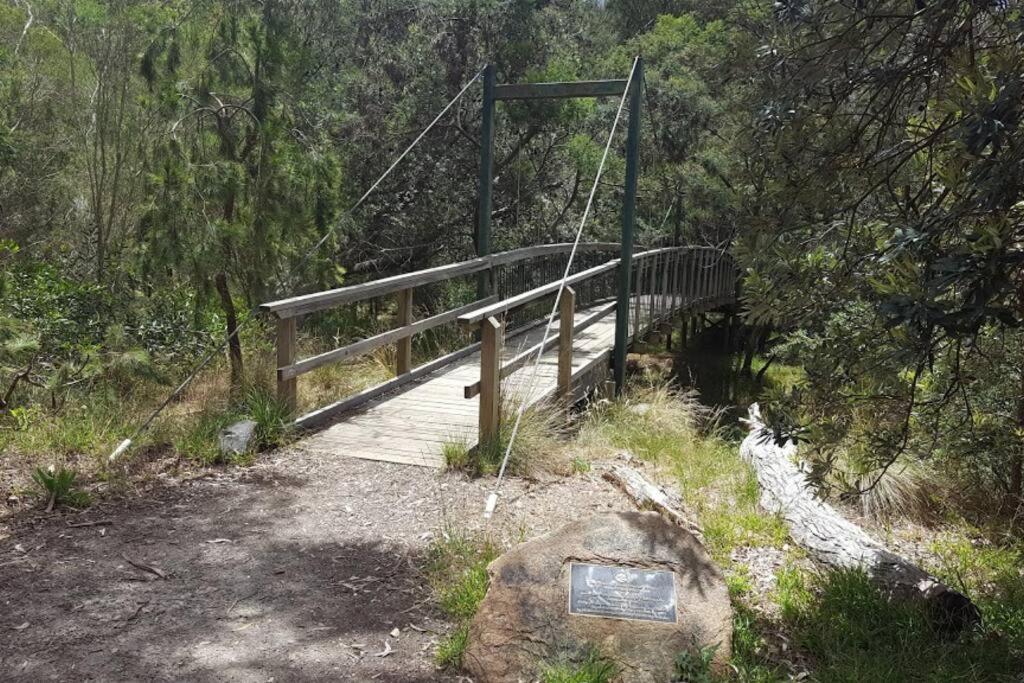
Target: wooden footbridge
[498,303]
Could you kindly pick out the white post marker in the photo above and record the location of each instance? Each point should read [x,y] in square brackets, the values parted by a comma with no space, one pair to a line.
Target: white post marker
[492,502]
[119,451]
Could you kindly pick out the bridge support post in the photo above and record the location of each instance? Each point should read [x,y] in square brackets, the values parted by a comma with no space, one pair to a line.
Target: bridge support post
[403,346]
[483,227]
[628,215]
[566,320]
[491,341]
[287,389]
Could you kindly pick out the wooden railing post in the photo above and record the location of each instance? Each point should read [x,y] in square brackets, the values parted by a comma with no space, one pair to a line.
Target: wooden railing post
[566,320]
[491,333]
[404,345]
[485,282]
[287,389]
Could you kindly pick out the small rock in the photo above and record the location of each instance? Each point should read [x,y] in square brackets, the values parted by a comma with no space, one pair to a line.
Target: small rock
[640,408]
[238,438]
[395,632]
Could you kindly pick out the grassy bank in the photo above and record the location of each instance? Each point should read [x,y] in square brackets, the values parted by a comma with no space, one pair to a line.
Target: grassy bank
[829,626]
[790,617]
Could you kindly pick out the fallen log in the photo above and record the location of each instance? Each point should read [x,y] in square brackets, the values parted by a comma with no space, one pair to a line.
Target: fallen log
[833,540]
[649,496]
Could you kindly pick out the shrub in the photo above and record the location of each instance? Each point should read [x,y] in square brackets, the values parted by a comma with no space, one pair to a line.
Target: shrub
[59,487]
[694,666]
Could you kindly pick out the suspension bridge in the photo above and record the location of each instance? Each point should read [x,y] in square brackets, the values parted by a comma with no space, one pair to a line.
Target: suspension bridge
[604,297]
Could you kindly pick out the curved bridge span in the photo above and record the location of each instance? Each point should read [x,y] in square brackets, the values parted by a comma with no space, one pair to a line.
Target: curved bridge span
[457,396]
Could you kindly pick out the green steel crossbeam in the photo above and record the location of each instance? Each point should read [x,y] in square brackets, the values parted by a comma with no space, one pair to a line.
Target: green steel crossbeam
[536,91]
[492,92]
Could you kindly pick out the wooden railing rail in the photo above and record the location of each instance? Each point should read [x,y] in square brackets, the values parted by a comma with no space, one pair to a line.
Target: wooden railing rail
[402,334]
[318,301]
[664,281]
[524,356]
[518,301]
[288,311]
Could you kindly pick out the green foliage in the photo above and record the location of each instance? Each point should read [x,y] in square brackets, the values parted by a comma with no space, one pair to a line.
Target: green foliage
[856,634]
[458,566]
[580,465]
[460,599]
[457,569]
[60,487]
[792,593]
[895,276]
[456,454]
[452,648]
[593,668]
[675,431]
[694,666]
[271,417]
[536,440]
[750,656]
[991,575]
[198,440]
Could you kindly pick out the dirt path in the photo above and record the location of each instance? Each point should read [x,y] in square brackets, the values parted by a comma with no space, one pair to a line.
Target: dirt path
[298,568]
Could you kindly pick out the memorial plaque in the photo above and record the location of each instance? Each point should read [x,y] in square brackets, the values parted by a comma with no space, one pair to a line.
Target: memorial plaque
[622,592]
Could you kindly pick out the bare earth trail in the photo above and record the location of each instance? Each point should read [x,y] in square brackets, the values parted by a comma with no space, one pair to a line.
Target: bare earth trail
[298,568]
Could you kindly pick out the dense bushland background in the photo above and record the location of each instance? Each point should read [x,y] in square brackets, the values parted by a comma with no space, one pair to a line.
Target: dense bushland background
[165,165]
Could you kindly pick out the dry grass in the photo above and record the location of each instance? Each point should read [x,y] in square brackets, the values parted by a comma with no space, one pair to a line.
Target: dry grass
[682,437]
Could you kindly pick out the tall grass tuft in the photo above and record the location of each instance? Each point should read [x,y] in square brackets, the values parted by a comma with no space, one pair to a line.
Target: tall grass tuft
[593,668]
[673,431]
[270,415]
[60,487]
[539,443]
[457,570]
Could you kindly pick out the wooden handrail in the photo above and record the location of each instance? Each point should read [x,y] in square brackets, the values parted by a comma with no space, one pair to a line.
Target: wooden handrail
[520,300]
[707,275]
[318,301]
[376,341]
[523,357]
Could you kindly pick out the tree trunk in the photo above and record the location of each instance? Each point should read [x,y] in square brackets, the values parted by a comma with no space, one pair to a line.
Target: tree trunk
[231,330]
[649,496]
[835,541]
[749,348]
[1016,494]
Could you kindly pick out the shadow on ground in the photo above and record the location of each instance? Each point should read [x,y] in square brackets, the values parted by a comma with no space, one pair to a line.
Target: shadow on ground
[265,579]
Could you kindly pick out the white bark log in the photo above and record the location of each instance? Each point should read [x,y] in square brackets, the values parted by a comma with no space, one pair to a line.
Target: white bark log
[832,539]
[649,496]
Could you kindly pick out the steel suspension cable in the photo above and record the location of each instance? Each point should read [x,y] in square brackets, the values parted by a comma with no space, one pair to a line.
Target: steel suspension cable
[219,348]
[492,498]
